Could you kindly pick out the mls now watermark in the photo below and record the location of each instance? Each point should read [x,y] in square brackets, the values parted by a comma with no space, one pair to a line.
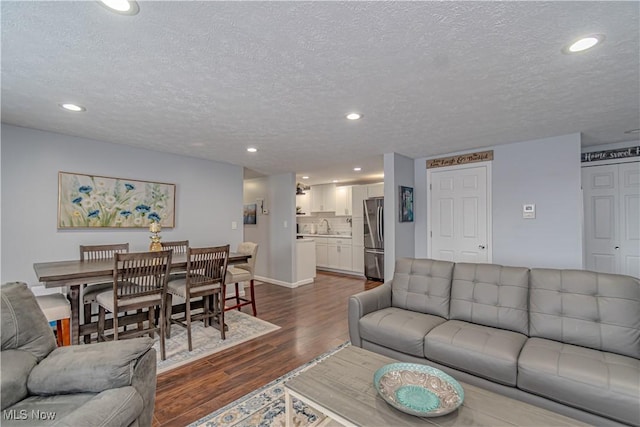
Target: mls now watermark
[26,415]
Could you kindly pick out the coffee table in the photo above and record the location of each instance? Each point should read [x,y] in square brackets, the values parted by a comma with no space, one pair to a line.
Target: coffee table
[341,387]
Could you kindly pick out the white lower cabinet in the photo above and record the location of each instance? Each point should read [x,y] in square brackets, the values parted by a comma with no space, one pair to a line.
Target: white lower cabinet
[357,258]
[339,253]
[322,255]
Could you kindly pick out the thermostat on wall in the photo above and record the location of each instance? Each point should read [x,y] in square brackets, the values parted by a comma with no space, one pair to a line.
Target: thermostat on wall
[529,211]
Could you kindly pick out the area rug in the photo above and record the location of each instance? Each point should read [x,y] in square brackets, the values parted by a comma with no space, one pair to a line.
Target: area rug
[265,407]
[206,341]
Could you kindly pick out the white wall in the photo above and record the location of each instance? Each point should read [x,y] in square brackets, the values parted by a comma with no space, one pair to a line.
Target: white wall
[276,255]
[545,172]
[208,197]
[399,237]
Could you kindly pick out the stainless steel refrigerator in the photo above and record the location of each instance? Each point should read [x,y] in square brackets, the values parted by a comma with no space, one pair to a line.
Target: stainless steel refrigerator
[374,238]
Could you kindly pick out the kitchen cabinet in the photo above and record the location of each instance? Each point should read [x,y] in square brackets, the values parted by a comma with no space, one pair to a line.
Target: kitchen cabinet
[358,194]
[375,190]
[305,261]
[323,198]
[343,201]
[304,202]
[339,253]
[322,255]
[357,245]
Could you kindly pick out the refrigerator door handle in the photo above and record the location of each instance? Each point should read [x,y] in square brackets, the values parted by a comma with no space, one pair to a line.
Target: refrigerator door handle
[374,251]
[380,224]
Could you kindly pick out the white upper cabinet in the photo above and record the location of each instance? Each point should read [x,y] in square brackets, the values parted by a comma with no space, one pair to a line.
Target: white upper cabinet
[323,198]
[343,201]
[375,190]
[358,194]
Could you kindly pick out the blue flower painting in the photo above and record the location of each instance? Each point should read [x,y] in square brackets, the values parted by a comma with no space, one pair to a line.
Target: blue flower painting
[89,201]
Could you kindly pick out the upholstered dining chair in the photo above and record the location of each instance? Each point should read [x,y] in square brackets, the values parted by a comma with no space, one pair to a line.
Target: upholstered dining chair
[243,273]
[56,308]
[206,271]
[90,290]
[139,282]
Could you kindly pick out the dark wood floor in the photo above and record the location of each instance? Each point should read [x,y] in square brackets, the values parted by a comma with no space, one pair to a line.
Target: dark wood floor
[313,320]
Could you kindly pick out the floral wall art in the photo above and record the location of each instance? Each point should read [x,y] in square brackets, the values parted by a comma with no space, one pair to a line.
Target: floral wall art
[88,201]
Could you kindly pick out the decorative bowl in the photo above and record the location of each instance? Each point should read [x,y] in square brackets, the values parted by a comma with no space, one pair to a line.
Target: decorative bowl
[418,389]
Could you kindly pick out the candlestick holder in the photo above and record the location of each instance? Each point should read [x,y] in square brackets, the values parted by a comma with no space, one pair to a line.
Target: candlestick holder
[155,229]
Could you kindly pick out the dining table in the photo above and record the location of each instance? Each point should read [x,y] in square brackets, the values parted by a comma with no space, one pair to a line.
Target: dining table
[73,274]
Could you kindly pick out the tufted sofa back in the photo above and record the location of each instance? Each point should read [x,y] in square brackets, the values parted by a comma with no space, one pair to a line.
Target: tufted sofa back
[585,308]
[491,295]
[422,285]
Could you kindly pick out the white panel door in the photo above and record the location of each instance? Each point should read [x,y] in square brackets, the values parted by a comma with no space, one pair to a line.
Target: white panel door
[612,218]
[600,187]
[459,226]
[629,179]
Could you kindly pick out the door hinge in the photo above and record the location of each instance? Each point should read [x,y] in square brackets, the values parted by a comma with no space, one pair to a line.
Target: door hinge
[431,234]
[430,188]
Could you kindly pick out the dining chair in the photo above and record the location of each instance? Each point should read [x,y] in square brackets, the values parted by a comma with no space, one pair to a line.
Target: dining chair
[206,271]
[243,273]
[139,282]
[179,247]
[57,308]
[91,290]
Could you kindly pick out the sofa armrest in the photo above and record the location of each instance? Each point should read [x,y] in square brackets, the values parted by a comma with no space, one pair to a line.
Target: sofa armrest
[364,303]
[113,407]
[88,368]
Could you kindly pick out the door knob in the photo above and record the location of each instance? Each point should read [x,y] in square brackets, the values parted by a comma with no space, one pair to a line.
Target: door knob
[481,246]
[617,247]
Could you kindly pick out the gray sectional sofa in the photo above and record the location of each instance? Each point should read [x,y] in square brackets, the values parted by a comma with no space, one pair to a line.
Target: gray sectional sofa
[109,384]
[565,340]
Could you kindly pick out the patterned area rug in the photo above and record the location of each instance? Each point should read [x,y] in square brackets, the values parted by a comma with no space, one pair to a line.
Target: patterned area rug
[265,407]
[242,327]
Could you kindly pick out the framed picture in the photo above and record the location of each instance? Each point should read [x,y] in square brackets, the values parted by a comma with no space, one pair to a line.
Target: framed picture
[406,204]
[92,201]
[249,214]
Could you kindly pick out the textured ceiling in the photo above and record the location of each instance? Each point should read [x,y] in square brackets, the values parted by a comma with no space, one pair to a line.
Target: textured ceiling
[209,79]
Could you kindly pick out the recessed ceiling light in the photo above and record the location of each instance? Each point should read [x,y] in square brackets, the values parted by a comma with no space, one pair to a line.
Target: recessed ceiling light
[633,131]
[584,43]
[305,177]
[252,149]
[334,181]
[357,169]
[123,7]
[72,107]
[354,116]
[197,144]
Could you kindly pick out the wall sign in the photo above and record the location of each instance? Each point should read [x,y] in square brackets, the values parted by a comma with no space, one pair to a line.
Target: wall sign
[462,159]
[620,153]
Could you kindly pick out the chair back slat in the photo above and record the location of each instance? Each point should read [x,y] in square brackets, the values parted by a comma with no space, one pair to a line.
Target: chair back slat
[141,274]
[206,266]
[102,252]
[178,246]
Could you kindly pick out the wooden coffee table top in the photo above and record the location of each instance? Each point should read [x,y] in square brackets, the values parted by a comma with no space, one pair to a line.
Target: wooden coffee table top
[343,385]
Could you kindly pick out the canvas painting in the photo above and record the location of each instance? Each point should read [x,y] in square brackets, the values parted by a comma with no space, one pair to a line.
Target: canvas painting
[91,201]
[406,204]
[249,215]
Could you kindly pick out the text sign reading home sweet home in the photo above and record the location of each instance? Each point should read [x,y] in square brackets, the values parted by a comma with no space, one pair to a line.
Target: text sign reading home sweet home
[462,159]
[620,153]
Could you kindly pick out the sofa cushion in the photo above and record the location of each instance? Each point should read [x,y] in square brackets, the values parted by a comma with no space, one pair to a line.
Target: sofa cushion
[16,365]
[422,285]
[88,368]
[585,308]
[398,329]
[480,350]
[491,295]
[24,326]
[604,383]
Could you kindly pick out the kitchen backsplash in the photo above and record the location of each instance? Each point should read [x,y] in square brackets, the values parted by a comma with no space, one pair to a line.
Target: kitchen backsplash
[337,224]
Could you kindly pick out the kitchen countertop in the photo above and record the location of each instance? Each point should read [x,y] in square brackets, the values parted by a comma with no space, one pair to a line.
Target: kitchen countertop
[343,236]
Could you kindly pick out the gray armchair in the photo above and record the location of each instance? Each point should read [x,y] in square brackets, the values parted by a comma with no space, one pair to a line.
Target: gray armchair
[104,384]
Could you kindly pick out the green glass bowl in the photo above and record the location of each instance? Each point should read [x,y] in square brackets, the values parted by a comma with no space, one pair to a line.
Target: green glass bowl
[418,389]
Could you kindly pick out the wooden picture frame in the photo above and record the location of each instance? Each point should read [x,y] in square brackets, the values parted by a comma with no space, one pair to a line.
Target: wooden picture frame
[406,204]
[94,201]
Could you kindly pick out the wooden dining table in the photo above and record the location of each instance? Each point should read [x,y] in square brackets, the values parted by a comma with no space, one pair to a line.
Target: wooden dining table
[75,273]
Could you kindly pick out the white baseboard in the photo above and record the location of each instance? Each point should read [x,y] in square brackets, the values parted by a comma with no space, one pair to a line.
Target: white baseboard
[285,284]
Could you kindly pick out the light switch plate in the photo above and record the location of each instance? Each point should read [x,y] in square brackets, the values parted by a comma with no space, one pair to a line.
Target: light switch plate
[234,225]
[529,211]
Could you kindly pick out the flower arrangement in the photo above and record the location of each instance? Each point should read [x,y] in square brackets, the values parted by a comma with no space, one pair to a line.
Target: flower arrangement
[95,201]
